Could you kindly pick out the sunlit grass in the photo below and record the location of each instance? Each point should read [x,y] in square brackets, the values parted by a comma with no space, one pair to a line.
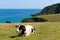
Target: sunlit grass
[51,17]
[44,31]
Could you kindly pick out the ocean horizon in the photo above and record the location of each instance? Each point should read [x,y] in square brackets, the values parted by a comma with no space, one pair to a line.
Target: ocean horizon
[16,15]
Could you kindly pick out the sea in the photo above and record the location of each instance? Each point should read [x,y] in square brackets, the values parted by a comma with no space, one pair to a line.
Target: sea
[16,15]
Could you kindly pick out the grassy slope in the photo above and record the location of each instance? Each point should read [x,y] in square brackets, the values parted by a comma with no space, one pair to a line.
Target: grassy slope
[51,18]
[44,31]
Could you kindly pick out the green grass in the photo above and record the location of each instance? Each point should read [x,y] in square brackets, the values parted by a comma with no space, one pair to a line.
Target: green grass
[51,17]
[44,31]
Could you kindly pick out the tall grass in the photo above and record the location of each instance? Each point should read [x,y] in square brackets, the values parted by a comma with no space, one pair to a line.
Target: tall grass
[44,31]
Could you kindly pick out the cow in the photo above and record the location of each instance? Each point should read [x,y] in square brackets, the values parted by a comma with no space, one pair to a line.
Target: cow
[26,30]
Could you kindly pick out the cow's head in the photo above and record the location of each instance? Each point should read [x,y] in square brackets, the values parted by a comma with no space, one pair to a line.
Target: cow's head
[20,27]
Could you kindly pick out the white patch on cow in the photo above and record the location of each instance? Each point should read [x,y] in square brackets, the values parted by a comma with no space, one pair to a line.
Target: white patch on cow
[28,30]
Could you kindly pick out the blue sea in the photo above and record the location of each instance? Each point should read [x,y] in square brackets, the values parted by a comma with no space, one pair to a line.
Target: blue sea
[16,15]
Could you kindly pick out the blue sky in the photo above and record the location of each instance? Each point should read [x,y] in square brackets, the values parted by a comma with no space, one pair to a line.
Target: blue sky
[26,4]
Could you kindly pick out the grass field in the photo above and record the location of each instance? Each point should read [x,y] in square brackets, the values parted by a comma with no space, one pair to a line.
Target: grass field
[44,31]
[51,17]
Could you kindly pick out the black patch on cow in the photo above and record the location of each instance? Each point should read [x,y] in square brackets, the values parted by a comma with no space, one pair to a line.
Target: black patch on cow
[32,30]
[22,27]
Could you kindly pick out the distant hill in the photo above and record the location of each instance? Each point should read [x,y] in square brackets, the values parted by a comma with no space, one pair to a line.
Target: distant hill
[52,9]
[44,18]
[51,17]
[50,14]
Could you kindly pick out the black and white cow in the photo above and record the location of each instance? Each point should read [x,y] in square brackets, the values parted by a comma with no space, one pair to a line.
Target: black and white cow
[26,30]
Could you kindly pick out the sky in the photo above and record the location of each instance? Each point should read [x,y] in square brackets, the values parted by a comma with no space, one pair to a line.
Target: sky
[26,4]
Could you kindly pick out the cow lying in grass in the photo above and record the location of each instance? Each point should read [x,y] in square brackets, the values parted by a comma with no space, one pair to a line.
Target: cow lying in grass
[26,30]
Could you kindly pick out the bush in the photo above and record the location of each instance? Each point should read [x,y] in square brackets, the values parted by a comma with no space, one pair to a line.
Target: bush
[8,21]
[34,19]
